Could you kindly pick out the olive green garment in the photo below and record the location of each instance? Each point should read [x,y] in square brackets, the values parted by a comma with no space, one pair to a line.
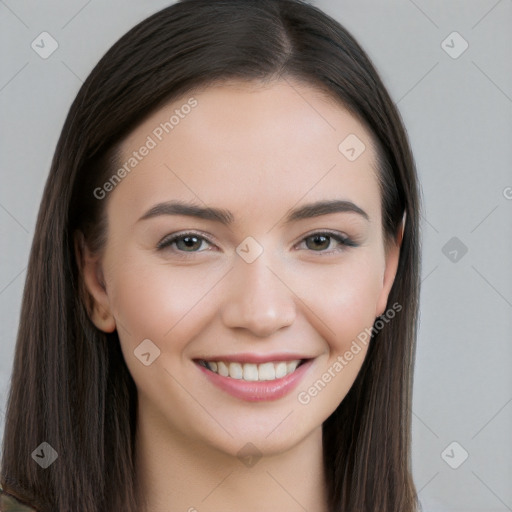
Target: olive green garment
[9,503]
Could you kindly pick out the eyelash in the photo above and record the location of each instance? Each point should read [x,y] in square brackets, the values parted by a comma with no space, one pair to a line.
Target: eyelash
[171,239]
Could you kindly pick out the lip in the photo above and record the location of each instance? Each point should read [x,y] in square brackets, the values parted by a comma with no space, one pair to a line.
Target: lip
[257,391]
[255,358]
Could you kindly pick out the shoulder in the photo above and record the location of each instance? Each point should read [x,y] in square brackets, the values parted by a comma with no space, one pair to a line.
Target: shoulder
[8,503]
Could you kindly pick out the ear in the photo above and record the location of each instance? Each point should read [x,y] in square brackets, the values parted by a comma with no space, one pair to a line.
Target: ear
[392,259]
[92,285]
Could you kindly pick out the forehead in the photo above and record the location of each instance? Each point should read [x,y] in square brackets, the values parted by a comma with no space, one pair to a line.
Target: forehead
[278,141]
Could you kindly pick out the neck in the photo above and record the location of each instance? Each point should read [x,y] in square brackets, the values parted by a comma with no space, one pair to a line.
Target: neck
[176,473]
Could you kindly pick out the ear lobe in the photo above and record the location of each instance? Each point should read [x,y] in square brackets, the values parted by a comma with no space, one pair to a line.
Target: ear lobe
[92,285]
[392,259]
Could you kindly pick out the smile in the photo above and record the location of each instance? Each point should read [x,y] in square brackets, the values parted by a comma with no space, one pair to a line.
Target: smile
[253,378]
[253,372]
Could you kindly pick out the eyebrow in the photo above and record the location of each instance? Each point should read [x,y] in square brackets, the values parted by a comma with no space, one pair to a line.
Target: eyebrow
[226,218]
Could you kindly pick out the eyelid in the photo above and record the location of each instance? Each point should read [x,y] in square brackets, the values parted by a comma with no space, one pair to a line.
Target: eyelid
[328,232]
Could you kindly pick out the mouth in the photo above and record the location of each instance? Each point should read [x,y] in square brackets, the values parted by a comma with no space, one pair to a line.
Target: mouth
[255,378]
[253,372]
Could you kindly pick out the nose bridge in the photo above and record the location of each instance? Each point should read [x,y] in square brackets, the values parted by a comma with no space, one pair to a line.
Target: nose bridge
[257,298]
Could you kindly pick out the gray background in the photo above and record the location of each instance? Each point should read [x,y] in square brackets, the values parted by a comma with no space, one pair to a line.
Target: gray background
[458,115]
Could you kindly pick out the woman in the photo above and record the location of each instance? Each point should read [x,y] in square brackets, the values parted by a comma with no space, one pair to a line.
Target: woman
[221,302]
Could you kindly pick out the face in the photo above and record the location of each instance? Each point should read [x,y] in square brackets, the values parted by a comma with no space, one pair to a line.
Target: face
[232,313]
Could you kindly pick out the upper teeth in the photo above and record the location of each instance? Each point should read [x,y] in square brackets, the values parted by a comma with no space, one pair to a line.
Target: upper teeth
[250,371]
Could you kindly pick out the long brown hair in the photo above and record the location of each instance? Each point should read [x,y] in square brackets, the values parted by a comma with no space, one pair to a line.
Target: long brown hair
[70,385]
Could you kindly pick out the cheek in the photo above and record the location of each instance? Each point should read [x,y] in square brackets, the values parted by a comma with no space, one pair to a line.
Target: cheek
[346,304]
[347,311]
[343,298]
[355,307]
[164,305]
[158,302]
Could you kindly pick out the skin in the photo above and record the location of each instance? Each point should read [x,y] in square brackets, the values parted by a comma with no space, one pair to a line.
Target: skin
[257,151]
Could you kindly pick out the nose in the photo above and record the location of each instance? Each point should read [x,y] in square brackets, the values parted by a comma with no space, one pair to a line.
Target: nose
[257,298]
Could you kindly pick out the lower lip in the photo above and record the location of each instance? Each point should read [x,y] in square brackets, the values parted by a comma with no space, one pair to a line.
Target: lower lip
[257,391]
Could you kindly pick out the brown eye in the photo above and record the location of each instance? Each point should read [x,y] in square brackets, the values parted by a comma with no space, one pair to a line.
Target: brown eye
[321,242]
[185,242]
[190,243]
